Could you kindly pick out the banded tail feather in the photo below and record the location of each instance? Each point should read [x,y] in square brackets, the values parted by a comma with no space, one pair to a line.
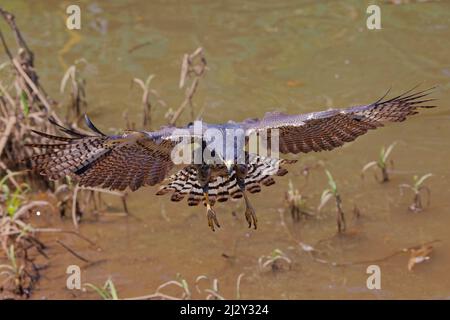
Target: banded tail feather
[222,188]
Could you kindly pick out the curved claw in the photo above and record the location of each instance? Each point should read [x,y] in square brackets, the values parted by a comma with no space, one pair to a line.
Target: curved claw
[212,219]
[250,216]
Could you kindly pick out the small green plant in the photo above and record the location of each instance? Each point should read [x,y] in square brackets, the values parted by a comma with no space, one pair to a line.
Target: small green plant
[381,163]
[276,261]
[13,200]
[418,188]
[327,195]
[24,103]
[15,273]
[296,203]
[107,292]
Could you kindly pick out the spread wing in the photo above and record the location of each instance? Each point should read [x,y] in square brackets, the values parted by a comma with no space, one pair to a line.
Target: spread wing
[327,130]
[133,159]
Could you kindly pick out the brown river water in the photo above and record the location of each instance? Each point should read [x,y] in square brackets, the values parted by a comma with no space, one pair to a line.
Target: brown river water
[290,56]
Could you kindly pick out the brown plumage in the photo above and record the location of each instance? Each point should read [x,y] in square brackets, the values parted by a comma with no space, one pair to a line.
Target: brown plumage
[326,130]
[139,158]
[114,162]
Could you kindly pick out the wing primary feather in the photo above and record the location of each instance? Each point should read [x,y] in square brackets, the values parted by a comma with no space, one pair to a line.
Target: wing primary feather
[52,137]
[384,96]
[91,126]
[71,132]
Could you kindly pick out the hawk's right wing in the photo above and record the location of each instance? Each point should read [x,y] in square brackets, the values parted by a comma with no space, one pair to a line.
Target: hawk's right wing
[326,130]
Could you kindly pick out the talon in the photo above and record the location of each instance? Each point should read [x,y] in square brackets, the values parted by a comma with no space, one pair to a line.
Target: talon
[212,219]
[210,214]
[250,216]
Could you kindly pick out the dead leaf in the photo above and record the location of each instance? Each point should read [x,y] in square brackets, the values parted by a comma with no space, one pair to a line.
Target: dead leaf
[419,255]
[294,83]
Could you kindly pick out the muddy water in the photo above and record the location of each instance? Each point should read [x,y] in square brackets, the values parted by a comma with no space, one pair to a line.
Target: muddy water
[293,56]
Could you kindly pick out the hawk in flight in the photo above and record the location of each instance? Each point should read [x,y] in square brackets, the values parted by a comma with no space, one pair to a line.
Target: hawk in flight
[138,158]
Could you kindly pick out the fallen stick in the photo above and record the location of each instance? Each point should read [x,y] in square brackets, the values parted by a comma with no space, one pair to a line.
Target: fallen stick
[50,230]
[72,251]
[139,46]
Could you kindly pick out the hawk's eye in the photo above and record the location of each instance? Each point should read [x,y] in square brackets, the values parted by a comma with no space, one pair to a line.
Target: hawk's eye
[213,153]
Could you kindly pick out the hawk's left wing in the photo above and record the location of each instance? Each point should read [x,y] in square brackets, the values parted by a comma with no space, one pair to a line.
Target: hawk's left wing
[327,130]
[133,159]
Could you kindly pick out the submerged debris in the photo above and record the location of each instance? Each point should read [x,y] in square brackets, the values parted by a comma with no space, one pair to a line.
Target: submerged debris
[419,255]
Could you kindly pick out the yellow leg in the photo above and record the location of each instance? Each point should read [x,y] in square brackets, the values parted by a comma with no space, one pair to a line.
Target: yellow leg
[210,214]
[250,214]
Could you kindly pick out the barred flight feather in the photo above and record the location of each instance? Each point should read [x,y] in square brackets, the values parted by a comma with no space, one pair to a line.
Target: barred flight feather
[130,160]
